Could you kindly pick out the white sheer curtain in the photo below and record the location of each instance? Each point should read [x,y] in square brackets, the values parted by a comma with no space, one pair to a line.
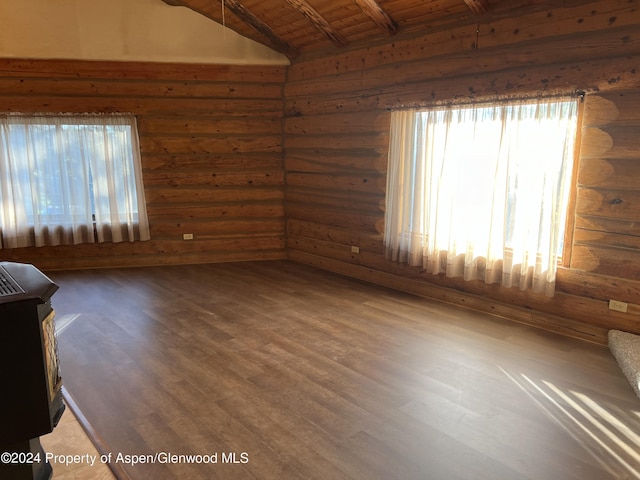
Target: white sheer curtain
[481,192]
[61,176]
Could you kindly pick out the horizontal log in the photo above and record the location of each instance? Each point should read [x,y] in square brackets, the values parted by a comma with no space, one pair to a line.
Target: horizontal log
[211,144]
[207,212]
[321,248]
[371,242]
[338,124]
[229,244]
[175,247]
[261,161]
[27,68]
[209,125]
[619,262]
[372,204]
[603,173]
[614,204]
[202,195]
[218,228]
[214,179]
[137,88]
[606,239]
[142,106]
[580,283]
[329,216]
[347,183]
[612,108]
[370,141]
[613,141]
[330,161]
[603,224]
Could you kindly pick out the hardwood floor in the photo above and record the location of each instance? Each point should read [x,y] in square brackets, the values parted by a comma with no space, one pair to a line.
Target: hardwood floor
[287,372]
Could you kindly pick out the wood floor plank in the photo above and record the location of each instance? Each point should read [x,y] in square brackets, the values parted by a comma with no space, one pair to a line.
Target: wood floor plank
[290,372]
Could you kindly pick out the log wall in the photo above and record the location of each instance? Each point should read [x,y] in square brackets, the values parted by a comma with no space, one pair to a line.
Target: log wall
[336,141]
[211,144]
[222,161]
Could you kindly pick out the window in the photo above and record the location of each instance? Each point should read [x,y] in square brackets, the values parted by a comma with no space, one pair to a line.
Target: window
[481,191]
[70,179]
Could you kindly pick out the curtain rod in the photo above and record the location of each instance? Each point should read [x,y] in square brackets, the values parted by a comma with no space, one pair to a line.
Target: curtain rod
[580,94]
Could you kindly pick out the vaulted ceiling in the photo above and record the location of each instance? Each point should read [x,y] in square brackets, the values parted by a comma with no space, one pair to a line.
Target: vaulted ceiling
[297,27]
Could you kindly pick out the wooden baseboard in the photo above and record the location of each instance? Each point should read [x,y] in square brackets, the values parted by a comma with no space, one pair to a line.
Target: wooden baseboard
[564,326]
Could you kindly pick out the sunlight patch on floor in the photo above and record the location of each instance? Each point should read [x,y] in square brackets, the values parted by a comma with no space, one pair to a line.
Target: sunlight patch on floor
[64,321]
[609,437]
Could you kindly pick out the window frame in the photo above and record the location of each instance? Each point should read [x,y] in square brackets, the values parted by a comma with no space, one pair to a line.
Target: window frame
[405,246]
[570,221]
[109,154]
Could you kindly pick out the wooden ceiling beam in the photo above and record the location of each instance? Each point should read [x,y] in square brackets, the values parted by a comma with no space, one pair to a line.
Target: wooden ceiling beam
[478,6]
[319,22]
[274,41]
[259,26]
[375,12]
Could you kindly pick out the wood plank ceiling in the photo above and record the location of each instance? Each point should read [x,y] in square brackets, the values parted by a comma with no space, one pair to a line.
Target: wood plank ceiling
[299,27]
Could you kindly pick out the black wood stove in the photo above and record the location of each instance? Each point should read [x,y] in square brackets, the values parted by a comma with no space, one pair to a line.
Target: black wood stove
[30,400]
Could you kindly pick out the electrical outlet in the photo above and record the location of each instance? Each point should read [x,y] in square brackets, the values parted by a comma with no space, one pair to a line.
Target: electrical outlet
[355,249]
[617,306]
[187,236]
